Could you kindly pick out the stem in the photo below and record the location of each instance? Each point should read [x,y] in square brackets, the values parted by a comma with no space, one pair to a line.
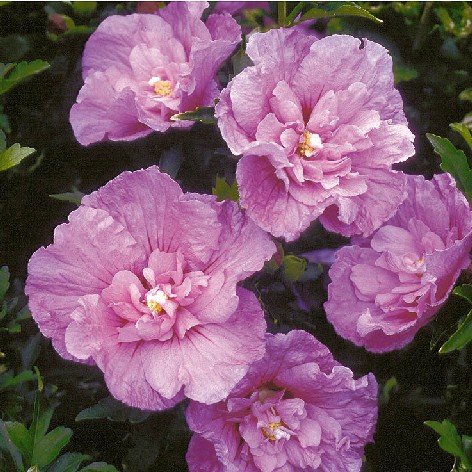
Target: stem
[282,13]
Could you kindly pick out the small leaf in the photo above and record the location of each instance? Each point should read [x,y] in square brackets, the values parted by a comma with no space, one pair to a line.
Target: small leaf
[72,197]
[223,191]
[293,267]
[113,410]
[460,338]
[99,467]
[466,95]
[84,8]
[9,381]
[50,446]
[20,72]
[449,439]
[4,281]
[390,387]
[404,73]
[14,155]
[202,114]
[69,462]
[7,445]
[333,9]
[455,162]
[464,131]
[464,291]
[21,438]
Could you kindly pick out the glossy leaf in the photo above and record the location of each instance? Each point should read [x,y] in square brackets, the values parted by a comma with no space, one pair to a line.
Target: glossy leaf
[223,191]
[455,162]
[202,114]
[333,9]
[293,267]
[49,447]
[113,410]
[460,338]
[14,155]
[20,72]
[464,291]
[71,197]
[449,439]
[464,131]
[69,462]
[20,437]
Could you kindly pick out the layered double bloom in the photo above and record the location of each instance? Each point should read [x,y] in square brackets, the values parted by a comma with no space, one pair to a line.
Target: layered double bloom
[319,125]
[142,281]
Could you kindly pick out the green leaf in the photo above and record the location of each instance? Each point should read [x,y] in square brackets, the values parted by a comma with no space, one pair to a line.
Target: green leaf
[21,438]
[72,197]
[50,446]
[84,8]
[4,281]
[449,440]
[455,162]
[69,462]
[464,131]
[14,155]
[466,95]
[7,380]
[202,114]
[464,291]
[99,467]
[20,72]
[223,191]
[404,73]
[460,338]
[293,267]
[390,387]
[333,9]
[7,445]
[113,410]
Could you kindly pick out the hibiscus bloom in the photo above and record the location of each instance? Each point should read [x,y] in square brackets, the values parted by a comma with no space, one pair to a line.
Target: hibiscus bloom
[142,282]
[140,70]
[296,409]
[381,294]
[319,124]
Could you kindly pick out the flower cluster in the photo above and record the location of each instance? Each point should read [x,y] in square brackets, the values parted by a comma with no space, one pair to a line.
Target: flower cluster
[141,69]
[144,279]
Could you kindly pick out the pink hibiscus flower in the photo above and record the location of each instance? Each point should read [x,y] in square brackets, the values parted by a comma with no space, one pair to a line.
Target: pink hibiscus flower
[296,409]
[142,282]
[319,125]
[140,70]
[381,294]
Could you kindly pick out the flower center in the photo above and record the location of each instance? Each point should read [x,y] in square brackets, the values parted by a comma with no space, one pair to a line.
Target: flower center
[154,299]
[309,145]
[275,430]
[161,87]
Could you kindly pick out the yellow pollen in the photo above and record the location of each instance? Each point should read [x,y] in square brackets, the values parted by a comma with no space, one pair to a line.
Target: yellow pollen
[269,433]
[154,306]
[309,145]
[154,300]
[163,88]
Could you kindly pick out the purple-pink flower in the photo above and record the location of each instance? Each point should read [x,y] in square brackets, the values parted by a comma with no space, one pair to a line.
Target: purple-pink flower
[296,409]
[319,124]
[140,70]
[142,282]
[382,293]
